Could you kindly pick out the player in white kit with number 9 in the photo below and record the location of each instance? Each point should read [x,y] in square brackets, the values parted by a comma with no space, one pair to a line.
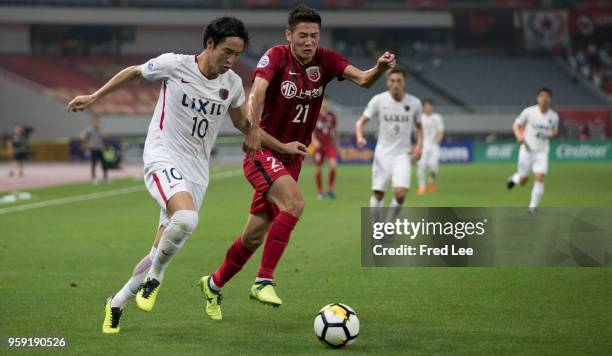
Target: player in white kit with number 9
[397,112]
[197,93]
[533,129]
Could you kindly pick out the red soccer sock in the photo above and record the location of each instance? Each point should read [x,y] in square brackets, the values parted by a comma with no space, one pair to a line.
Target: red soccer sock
[235,258]
[318,179]
[332,178]
[278,237]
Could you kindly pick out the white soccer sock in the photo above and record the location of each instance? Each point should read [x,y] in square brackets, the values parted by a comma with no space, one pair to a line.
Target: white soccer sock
[212,285]
[421,174]
[130,288]
[536,194]
[515,178]
[182,224]
[375,203]
[376,208]
[394,210]
[259,279]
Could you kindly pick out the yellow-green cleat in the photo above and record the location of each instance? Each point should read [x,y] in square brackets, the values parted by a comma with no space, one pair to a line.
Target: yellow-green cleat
[112,316]
[213,299]
[264,292]
[147,293]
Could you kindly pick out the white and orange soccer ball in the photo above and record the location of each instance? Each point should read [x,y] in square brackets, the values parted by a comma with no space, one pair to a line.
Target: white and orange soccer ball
[336,325]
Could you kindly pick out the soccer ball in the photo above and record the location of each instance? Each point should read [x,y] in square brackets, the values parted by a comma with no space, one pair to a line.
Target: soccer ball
[336,325]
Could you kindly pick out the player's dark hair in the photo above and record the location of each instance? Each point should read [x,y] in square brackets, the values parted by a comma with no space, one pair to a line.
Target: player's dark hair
[303,13]
[428,101]
[545,90]
[396,69]
[219,29]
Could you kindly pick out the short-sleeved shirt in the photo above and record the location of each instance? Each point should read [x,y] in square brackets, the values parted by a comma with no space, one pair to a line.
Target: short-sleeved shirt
[94,138]
[395,122]
[432,126]
[295,92]
[537,127]
[325,129]
[19,143]
[189,113]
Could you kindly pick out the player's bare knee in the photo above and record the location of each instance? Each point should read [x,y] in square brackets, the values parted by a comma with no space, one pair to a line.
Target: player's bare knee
[185,220]
[400,198]
[378,194]
[253,240]
[539,177]
[295,206]
[523,180]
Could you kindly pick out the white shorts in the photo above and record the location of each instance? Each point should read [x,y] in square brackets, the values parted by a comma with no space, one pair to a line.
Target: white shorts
[430,158]
[536,161]
[163,180]
[397,168]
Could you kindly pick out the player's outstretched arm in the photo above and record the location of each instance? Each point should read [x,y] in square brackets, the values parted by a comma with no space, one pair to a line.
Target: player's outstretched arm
[368,77]
[120,79]
[251,131]
[361,141]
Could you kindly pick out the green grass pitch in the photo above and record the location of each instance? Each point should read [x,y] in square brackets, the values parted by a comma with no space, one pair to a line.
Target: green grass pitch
[58,264]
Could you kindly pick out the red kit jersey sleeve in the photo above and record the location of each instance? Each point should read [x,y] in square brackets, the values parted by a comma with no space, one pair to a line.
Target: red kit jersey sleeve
[269,63]
[334,64]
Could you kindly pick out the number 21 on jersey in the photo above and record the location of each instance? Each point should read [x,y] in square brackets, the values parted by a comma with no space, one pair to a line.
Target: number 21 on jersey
[302,109]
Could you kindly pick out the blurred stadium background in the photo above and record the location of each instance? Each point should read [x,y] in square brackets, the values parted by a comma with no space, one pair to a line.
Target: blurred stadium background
[66,248]
[481,61]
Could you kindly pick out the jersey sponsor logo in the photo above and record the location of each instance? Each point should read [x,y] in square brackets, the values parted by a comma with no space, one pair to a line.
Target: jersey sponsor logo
[264,61]
[203,106]
[313,74]
[223,93]
[396,118]
[288,89]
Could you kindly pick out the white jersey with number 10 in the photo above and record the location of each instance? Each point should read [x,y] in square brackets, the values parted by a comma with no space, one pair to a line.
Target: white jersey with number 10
[189,113]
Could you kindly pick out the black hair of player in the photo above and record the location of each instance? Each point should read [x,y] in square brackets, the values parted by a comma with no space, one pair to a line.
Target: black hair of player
[396,69]
[545,90]
[303,13]
[221,28]
[428,101]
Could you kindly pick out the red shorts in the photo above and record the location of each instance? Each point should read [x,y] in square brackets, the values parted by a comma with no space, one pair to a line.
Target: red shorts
[262,172]
[328,151]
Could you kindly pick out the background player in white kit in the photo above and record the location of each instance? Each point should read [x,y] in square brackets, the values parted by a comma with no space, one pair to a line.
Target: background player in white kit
[397,113]
[534,127]
[433,132]
[197,93]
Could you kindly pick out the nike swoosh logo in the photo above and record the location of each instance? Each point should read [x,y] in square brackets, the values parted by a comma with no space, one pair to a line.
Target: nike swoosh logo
[164,253]
[292,73]
[174,185]
[184,81]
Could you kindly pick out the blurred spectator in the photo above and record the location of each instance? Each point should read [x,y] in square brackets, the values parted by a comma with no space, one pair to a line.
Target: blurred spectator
[593,61]
[17,146]
[93,140]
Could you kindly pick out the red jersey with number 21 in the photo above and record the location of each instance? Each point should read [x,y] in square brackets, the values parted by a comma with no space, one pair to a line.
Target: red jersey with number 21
[295,93]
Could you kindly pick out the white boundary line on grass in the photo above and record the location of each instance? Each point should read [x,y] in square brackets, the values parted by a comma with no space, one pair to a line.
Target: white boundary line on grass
[105,194]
